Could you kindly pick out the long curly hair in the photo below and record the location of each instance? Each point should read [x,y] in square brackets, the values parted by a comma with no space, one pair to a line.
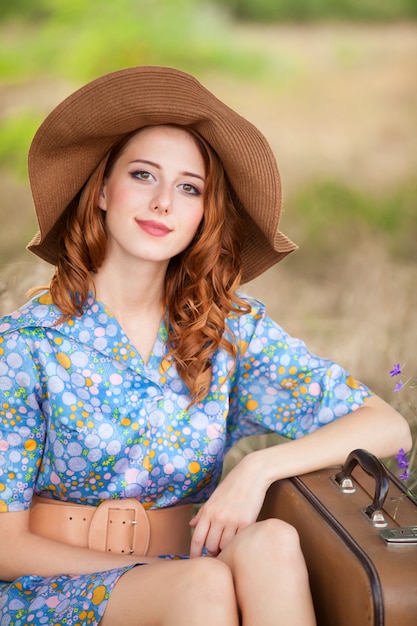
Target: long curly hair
[200,282]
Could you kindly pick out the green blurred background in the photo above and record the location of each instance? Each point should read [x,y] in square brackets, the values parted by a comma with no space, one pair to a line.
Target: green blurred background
[331,83]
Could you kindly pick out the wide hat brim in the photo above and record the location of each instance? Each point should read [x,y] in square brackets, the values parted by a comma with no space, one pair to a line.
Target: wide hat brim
[78,132]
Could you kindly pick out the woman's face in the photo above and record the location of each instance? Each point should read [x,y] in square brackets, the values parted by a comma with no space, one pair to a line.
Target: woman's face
[154,196]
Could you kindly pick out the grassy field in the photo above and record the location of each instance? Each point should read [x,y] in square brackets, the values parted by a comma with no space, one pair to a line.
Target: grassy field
[338,104]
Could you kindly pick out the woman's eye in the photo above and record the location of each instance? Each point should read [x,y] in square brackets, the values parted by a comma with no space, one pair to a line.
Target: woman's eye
[191,189]
[142,175]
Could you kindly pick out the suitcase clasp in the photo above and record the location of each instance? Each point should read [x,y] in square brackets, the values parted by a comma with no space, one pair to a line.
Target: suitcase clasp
[401,535]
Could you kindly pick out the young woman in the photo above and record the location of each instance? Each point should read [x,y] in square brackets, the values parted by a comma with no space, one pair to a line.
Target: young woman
[125,382]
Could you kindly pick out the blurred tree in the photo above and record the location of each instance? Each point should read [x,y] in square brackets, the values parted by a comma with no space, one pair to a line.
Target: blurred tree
[24,10]
[307,10]
[77,39]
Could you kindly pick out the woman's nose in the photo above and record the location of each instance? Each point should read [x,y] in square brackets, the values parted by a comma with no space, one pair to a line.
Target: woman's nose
[159,208]
[161,202]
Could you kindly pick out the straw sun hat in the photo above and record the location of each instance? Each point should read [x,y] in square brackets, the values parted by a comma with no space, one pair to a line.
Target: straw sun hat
[78,132]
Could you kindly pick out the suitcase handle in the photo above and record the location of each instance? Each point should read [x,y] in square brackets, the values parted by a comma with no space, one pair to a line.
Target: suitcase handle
[374,467]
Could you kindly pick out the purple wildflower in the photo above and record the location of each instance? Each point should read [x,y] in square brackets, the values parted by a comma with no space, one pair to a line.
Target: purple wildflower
[401,457]
[402,463]
[396,370]
[405,475]
[398,386]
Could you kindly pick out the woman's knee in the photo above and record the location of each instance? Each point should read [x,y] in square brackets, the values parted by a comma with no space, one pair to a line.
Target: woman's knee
[210,585]
[277,535]
[209,577]
[270,539]
[186,587]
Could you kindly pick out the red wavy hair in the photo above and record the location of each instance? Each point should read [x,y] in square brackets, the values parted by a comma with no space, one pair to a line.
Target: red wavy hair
[200,283]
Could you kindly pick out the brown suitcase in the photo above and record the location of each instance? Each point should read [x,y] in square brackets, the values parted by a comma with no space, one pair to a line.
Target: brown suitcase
[362,572]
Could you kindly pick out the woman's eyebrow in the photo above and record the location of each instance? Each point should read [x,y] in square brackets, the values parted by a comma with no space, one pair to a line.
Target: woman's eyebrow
[185,173]
[193,175]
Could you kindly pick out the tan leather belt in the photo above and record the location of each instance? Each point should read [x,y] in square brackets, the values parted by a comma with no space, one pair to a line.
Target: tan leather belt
[120,526]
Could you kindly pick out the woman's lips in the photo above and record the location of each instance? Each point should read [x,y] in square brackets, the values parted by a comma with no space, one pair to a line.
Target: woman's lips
[157,229]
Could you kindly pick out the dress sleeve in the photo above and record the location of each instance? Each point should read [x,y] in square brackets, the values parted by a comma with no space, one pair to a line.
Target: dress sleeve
[22,428]
[281,387]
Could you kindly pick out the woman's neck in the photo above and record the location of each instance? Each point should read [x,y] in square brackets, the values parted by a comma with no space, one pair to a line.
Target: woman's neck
[136,301]
[130,291]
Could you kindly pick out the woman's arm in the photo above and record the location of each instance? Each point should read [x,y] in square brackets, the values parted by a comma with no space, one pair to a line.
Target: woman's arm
[23,553]
[375,426]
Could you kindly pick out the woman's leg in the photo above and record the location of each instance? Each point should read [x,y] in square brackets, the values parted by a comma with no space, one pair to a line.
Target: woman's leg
[270,575]
[196,592]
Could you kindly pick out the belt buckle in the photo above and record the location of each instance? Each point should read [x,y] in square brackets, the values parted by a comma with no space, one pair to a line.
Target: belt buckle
[121,527]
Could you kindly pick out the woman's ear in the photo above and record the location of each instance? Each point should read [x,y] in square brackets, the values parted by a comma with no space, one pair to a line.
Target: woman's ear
[102,198]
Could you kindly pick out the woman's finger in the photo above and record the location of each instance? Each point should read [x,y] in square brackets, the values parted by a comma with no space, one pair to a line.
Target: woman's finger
[227,535]
[198,540]
[213,539]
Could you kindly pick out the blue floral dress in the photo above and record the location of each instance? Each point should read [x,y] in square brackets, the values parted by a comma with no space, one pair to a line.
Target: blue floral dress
[77,395]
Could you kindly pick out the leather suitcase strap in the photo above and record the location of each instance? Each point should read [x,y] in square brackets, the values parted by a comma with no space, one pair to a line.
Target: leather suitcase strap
[120,526]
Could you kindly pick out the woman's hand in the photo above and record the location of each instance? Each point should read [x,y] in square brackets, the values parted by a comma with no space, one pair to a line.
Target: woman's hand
[234,504]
